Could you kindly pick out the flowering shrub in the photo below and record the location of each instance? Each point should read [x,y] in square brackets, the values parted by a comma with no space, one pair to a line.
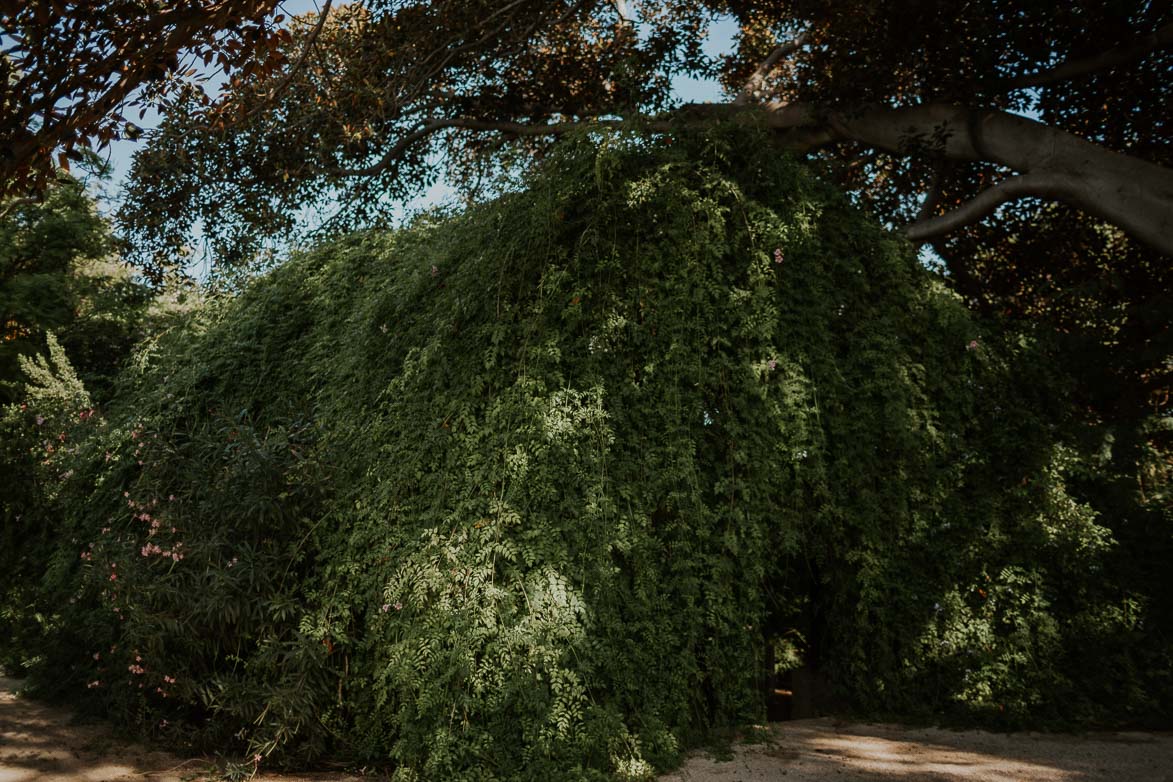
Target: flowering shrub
[529,492]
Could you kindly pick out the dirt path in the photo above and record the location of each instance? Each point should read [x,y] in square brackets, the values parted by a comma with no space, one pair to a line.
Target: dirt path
[38,743]
[823,750]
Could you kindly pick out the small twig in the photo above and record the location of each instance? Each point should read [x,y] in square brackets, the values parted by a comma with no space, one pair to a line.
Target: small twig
[297,65]
[932,196]
[169,770]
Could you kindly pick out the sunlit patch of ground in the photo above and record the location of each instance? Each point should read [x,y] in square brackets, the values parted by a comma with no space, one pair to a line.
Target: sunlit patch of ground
[822,750]
[39,743]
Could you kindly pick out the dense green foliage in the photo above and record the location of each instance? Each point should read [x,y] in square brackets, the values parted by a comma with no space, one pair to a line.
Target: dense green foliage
[527,493]
[59,273]
[61,286]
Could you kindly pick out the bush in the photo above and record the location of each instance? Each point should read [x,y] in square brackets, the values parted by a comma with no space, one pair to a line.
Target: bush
[526,493]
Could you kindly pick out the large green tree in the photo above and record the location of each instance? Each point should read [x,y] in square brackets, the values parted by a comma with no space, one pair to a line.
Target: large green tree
[539,515]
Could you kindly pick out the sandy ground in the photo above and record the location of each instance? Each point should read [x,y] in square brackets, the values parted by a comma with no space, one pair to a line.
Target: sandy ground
[45,744]
[40,743]
[823,750]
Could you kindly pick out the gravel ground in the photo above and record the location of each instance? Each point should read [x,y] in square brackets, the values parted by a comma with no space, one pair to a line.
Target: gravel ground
[40,743]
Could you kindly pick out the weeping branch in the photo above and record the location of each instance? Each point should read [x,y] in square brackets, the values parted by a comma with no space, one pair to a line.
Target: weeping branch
[428,128]
[16,202]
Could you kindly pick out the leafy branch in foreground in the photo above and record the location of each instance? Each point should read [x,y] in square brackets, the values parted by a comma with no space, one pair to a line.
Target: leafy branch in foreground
[71,73]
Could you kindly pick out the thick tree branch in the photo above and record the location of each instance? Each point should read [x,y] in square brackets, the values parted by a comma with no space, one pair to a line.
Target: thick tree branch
[1043,185]
[1070,69]
[1125,191]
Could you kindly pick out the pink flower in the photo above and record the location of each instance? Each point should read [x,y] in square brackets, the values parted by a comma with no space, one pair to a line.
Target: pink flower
[386,607]
[973,345]
[778,255]
[772,364]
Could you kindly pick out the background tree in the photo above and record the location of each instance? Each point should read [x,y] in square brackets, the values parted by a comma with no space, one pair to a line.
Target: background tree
[60,274]
[563,466]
